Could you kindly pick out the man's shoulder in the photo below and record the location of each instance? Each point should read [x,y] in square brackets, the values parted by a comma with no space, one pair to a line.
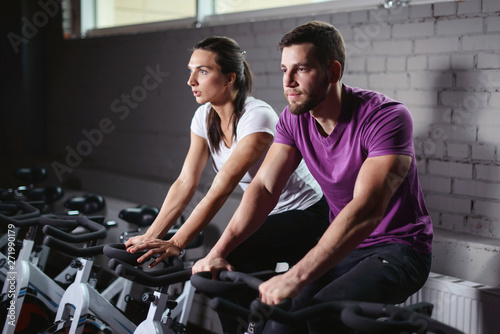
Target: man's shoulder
[371,98]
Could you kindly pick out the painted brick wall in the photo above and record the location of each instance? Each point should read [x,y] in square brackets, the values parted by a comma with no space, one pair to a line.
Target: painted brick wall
[121,104]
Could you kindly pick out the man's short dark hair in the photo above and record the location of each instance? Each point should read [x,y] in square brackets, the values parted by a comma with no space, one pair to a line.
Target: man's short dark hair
[327,41]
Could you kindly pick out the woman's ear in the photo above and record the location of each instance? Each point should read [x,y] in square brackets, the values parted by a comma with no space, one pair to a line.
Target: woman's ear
[230,78]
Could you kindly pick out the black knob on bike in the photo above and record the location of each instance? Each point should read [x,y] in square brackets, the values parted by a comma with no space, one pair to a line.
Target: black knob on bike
[76,264]
[148,297]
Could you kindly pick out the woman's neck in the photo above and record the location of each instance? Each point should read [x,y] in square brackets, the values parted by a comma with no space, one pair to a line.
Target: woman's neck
[225,112]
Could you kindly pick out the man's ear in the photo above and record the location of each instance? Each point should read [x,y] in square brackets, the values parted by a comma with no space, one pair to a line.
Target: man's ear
[334,71]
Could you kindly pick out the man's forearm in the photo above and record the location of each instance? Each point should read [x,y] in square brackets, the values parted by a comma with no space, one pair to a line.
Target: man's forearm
[255,206]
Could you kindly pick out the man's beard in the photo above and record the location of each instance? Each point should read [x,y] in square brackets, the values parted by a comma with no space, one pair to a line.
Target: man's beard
[308,105]
[311,101]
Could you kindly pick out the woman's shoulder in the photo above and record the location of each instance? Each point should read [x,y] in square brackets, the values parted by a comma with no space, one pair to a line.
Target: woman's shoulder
[202,111]
[253,102]
[253,105]
[257,116]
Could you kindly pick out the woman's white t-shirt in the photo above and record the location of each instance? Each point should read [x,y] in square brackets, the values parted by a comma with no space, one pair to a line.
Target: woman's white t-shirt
[301,190]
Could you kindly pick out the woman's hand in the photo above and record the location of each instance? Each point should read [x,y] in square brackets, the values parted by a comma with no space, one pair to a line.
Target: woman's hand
[213,264]
[135,240]
[163,248]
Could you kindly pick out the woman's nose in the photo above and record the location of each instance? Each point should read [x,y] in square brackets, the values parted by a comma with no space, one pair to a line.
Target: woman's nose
[191,81]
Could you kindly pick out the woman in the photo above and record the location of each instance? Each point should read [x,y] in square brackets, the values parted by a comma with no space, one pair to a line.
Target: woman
[235,131]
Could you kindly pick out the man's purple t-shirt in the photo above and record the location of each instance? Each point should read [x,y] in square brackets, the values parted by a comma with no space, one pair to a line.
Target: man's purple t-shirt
[370,125]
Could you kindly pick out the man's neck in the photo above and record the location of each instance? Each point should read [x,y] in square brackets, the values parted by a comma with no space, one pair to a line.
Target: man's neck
[327,113]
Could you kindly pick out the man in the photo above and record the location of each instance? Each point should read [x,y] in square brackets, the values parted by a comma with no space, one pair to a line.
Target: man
[358,144]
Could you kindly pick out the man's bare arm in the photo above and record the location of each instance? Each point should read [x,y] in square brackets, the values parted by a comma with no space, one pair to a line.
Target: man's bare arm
[377,181]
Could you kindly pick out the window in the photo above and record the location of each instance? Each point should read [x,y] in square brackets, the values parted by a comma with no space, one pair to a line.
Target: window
[232,6]
[91,18]
[126,12]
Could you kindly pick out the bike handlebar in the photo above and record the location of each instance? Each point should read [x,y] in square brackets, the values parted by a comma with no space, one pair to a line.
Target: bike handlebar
[29,218]
[118,251]
[364,317]
[229,282]
[97,231]
[8,207]
[61,240]
[134,274]
[71,250]
[124,264]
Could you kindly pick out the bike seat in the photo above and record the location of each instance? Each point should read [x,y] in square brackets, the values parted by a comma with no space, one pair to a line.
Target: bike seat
[48,194]
[143,215]
[86,204]
[31,174]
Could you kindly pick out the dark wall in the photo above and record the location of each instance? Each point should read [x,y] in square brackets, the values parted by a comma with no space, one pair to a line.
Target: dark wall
[27,30]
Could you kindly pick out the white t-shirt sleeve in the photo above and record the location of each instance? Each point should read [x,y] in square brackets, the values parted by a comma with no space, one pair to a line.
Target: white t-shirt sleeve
[258,117]
[199,121]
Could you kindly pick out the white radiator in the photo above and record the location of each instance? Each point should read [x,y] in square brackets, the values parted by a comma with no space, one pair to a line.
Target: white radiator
[471,307]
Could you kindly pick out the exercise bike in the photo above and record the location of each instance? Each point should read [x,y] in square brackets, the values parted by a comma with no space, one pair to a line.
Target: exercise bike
[33,175]
[29,296]
[82,307]
[143,216]
[360,317]
[159,319]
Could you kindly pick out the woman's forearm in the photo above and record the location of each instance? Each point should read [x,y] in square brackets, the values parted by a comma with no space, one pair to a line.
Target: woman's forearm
[205,211]
[176,201]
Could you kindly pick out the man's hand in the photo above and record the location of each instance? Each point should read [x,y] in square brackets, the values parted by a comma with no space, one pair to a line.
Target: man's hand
[213,264]
[153,246]
[277,288]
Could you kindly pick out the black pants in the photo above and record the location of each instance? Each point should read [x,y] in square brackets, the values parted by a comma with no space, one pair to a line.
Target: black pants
[387,273]
[284,237]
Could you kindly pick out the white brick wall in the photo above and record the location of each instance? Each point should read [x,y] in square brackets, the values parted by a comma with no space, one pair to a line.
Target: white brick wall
[469,7]
[459,27]
[462,61]
[410,30]
[451,169]
[450,204]
[491,6]
[483,152]
[488,60]
[493,24]
[436,184]
[437,45]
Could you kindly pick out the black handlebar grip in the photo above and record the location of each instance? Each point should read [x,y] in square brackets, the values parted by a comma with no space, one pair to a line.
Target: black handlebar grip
[71,250]
[18,223]
[252,280]
[203,282]
[134,274]
[26,219]
[118,251]
[8,207]
[98,231]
